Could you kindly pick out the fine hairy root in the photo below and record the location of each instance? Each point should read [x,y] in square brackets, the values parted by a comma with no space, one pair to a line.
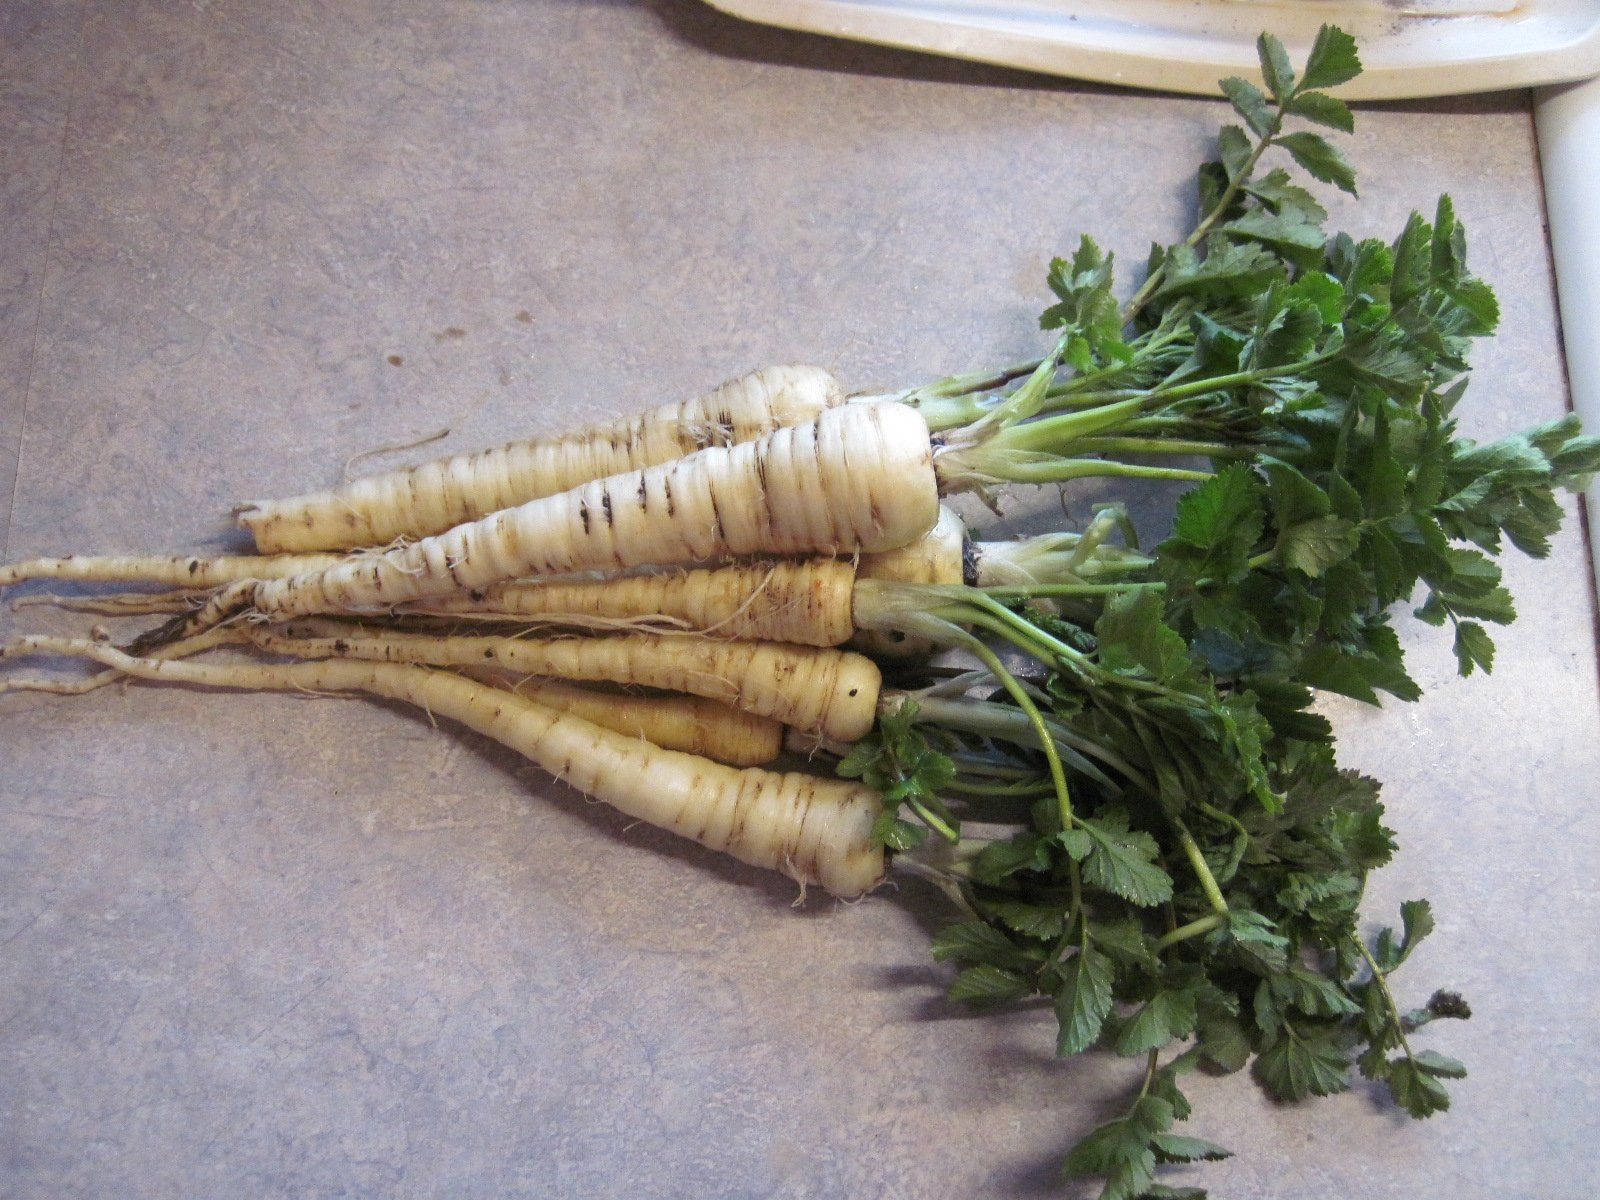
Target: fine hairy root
[692,724]
[859,477]
[832,693]
[417,501]
[814,830]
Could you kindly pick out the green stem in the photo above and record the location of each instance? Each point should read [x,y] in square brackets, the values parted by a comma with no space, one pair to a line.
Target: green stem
[1025,590]
[933,820]
[1058,776]
[1388,996]
[1144,445]
[1153,281]
[1061,470]
[1197,860]
[1150,1062]
[1193,929]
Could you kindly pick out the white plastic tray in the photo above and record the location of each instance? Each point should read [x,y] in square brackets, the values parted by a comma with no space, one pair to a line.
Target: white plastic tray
[1409,47]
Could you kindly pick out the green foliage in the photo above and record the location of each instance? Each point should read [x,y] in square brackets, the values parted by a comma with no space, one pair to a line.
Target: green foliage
[1195,894]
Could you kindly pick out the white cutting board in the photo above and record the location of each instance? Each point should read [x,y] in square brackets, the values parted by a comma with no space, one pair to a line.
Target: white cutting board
[1409,47]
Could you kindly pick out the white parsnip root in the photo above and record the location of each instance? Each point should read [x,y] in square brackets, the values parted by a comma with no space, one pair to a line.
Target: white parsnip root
[813,830]
[172,571]
[693,724]
[859,477]
[805,603]
[428,499]
[829,693]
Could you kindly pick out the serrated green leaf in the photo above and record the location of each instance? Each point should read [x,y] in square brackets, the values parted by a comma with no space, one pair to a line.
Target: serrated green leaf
[1223,1042]
[1175,1148]
[988,985]
[1333,59]
[1416,1090]
[1031,920]
[1233,148]
[1000,860]
[1324,110]
[1249,103]
[1276,70]
[1474,648]
[1167,1015]
[1122,861]
[1434,1063]
[976,943]
[1314,546]
[1083,1001]
[1132,635]
[1298,1065]
[1320,159]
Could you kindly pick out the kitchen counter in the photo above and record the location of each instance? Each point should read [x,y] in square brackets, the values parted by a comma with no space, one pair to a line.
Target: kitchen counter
[285,946]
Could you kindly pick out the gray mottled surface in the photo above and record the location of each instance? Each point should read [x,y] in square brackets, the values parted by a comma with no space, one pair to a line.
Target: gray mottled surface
[267,946]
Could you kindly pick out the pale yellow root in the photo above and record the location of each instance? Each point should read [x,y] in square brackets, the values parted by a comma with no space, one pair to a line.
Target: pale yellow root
[859,477]
[803,603]
[427,499]
[939,556]
[688,723]
[173,571]
[117,604]
[691,724]
[813,830]
[832,693]
[21,647]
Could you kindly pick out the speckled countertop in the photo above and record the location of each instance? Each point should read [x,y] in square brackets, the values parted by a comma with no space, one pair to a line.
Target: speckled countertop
[267,946]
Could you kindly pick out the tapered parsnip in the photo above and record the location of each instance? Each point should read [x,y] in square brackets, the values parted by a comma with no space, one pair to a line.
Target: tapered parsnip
[804,603]
[173,571]
[117,604]
[810,603]
[813,830]
[859,477]
[427,499]
[831,693]
[692,724]
[82,685]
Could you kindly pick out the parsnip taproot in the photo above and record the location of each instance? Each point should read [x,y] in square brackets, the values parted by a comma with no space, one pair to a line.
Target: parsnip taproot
[814,602]
[813,830]
[162,570]
[427,499]
[859,477]
[828,693]
[693,724]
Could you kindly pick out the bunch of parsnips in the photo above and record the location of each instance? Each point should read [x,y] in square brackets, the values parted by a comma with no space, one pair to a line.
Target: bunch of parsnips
[1144,823]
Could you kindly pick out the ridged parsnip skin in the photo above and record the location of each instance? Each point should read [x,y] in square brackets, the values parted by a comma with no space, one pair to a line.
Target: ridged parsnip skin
[417,501]
[174,571]
[935,557]
[813,830]
[859,477]
[805,603]
[939,556]
[832,693]
[691,724]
